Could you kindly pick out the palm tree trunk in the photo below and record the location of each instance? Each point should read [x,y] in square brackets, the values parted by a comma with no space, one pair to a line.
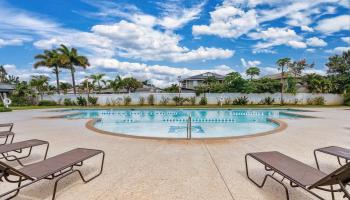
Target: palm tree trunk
[99,87]
[282,85]
[73,81]
[57,80]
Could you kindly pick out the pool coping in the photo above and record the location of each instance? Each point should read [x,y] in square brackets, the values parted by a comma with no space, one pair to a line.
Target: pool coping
[91,122]
[281,126]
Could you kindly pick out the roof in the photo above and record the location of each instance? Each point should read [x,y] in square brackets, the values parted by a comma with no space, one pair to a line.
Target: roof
[6,87]
[204,76]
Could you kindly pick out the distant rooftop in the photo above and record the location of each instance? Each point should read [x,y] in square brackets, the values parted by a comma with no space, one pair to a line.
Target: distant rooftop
[205,76]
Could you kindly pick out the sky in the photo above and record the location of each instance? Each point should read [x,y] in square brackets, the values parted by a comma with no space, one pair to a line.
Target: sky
[161,40]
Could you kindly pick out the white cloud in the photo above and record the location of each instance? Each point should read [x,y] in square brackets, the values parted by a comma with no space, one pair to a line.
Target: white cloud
[10,42]
[277,36]
[250,63]
[175,16]
[346,39]
[228,21]
[307,28]
[316,71]
[146,43]
[333,25]
[316,42]
[311,50]
[338,50]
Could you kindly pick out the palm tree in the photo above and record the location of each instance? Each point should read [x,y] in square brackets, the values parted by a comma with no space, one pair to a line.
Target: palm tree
[70,59]
[65,87]
[283,65]
[50,59]
[3,74]
[40,83]
[115,84]
[97,78]
[252,71]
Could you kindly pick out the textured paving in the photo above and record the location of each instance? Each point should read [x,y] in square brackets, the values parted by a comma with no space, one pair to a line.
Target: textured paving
[142,169]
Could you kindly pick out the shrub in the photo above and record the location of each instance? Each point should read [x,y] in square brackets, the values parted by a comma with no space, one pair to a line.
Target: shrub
[203,101]
[240,101]
[150,100]
[81,101]
[47,103]
[227,101]
[164,101]
[68,102]
[179,101]
[127,100]
[142,101]
[3,109]
[267,101]
[316,101]
[93,100]
[192,100]
[20,101]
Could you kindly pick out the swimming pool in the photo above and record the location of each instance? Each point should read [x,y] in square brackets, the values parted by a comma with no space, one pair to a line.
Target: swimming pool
[174,123]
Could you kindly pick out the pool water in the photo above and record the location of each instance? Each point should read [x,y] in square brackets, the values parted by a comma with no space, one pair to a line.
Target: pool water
[173,123]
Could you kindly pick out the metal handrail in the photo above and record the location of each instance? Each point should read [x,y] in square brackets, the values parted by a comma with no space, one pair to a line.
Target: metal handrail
[189,127]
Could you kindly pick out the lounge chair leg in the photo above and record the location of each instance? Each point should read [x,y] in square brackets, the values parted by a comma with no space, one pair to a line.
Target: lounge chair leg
[318,167]
[332,192]
[265,178]
[346,193]
[16,191]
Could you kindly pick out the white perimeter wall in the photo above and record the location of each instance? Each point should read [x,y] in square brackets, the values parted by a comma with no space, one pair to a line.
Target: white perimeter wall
[104,99]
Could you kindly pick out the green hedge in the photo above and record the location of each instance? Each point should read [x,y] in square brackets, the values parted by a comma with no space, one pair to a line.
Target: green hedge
[47,103]
[3,109]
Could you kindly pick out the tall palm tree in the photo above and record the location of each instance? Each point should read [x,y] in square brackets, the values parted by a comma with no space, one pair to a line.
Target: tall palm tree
[283,65]
[115,84]
[50,59]
[71,59]
[97,78]
[40,83]
[253,71]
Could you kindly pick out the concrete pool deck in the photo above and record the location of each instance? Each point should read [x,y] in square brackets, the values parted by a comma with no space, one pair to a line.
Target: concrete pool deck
[143,169]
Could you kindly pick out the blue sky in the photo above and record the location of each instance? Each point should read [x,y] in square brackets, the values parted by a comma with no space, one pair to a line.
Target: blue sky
[161,40]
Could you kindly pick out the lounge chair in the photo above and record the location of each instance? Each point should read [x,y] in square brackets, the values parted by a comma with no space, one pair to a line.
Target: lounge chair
[59,167]
[9,151]
[338,152]
[300,175]
[8,133]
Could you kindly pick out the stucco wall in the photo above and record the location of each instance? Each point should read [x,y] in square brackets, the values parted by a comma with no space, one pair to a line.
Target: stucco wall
[301,98]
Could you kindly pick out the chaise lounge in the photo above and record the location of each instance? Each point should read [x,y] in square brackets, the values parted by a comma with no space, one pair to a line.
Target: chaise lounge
[7,134]
[59,166]
[10,152]
[300,175]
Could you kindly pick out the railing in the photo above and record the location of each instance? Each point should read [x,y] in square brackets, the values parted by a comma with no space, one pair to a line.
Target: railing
[189,128]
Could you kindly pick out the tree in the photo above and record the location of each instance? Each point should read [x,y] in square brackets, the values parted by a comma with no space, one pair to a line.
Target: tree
[97,78]
[174,88]
[115,84]
[297,67]
[234,82]
[253,71]
[316,83]
[283,65]
[3,74]
[339,71]
[71,59]
[40,83]
[50,59]
[65,87]
[130,84]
